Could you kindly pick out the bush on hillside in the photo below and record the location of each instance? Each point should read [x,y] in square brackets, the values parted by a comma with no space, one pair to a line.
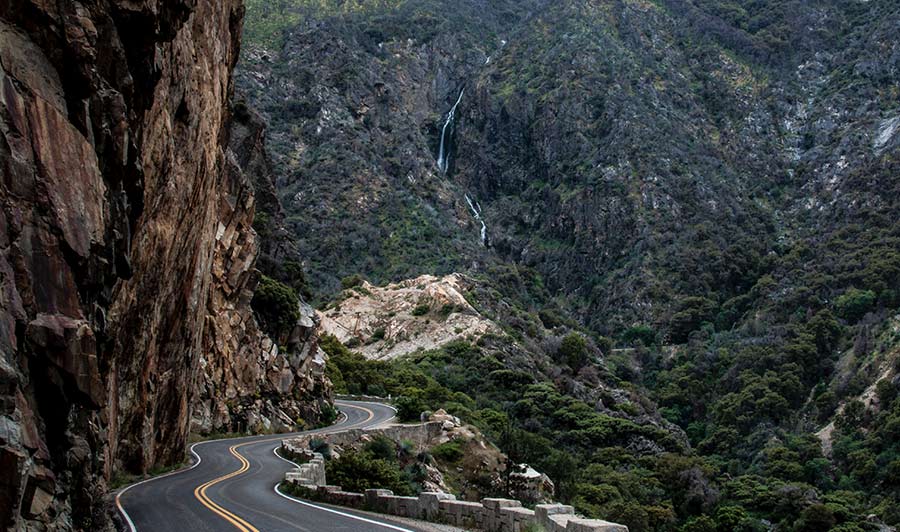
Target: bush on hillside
[574,351]
[639,333]
[854,304]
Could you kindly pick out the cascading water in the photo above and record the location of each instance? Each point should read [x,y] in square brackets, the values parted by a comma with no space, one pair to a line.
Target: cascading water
[443,161]
[476,212]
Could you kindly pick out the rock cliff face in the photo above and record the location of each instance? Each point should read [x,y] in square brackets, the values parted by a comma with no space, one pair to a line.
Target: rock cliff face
[248,382]
[118,200]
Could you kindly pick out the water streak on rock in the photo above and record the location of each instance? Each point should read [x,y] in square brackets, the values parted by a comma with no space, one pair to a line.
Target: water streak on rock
[476,212]
[443,161]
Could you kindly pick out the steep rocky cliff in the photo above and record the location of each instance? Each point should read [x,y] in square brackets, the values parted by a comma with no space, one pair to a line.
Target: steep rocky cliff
[632,153]
[356,105]
[249,381]
[127,253]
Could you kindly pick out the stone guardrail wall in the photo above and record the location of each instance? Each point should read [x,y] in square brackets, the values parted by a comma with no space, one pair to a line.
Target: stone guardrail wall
[489,515]
[309,474]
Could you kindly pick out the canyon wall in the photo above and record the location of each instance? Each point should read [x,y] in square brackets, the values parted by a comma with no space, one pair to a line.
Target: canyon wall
[249,381]
[126,253]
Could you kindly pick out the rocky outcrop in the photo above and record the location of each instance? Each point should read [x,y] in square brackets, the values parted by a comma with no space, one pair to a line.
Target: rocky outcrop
[248,382]
[279,256]
[118,201]
[391,321]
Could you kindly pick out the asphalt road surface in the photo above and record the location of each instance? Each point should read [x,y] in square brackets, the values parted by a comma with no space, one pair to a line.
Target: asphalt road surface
[231,487]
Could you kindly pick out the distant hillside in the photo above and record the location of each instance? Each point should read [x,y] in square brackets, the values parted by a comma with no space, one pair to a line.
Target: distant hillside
[711,186]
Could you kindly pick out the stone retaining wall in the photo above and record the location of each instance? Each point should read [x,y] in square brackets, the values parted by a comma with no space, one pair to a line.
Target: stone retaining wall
[312,473]
[365,398]
[489,515]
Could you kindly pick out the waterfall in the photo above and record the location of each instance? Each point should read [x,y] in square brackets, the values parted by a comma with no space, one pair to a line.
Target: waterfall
[443,161]
[476,212]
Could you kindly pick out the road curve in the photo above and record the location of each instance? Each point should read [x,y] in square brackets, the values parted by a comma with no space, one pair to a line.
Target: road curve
[231,488]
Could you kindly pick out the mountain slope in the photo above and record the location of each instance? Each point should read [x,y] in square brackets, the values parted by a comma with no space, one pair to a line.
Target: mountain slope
[649,149]
[710,184]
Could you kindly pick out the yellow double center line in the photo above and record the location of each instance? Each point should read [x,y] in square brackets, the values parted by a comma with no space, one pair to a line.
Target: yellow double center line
[239,523]
[200,492]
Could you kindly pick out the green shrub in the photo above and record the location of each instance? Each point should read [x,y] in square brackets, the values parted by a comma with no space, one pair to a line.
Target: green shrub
[294,276]
[699,524]
[359,471]
[421,309]
[261,223]
[639,333]
[329,414]
[815,518]
[730,518]
[692,313]
[854,304]
[410,408]
[605,345]
[334,374]
[381,447]
[448,452]
[276,305]
[352,281]
[573,351]
[549,318]
[848,527]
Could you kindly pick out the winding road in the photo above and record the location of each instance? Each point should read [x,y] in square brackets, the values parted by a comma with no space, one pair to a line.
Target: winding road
[231,486]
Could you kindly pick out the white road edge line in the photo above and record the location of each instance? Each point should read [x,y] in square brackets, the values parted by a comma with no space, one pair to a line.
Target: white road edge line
[275,452]
[121,507]
[342,514]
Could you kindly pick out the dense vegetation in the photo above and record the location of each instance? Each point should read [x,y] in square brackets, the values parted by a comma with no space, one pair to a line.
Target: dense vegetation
[670,488]
[380,464]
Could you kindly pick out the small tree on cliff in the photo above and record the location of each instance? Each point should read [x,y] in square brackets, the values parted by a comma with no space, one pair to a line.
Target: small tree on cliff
[276,305]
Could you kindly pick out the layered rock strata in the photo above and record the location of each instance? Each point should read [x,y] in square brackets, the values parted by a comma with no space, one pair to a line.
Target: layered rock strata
[126,250]
[247,381]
